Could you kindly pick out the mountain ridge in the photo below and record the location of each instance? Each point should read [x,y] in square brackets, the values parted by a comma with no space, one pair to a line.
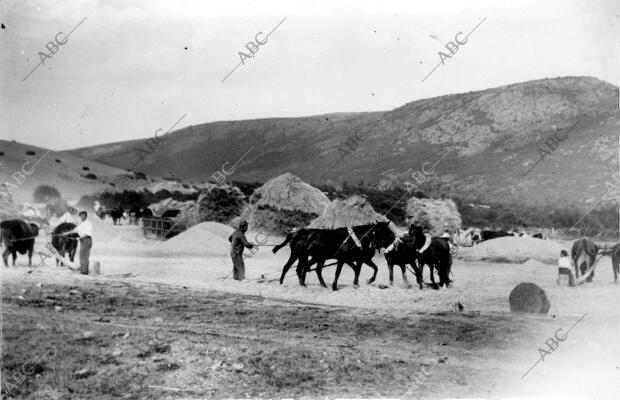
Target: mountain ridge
[494,136]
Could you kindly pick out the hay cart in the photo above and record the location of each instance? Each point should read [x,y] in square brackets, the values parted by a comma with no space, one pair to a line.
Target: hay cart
[462,239]
[164,227]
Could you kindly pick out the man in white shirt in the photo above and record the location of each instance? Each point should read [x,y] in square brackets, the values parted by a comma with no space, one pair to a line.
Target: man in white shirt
[84,231]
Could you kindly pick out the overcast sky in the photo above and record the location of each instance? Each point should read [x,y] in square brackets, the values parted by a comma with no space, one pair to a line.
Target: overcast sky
[134,66]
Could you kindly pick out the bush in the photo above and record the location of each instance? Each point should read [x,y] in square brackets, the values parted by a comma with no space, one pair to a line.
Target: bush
[58,161]
[45,193]
[246,187]
[30,153]
[86,168]
[1,153]
[278,222]
[90,175]
[139,175]
[221,205]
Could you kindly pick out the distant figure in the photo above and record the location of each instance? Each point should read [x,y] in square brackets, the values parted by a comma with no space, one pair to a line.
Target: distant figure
[565,268]
[237,243]
[84,231]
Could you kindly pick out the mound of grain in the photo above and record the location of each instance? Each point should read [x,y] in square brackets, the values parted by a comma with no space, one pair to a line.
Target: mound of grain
[436,215]
[103,231]
[528,297]
[199,239]
[341,213]
[513,249]
[221,230]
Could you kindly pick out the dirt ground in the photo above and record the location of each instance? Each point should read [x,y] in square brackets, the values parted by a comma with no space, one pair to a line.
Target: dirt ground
[174,328]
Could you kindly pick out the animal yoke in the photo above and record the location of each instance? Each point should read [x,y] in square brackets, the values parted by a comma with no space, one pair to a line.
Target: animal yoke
[355,238]
[427,243]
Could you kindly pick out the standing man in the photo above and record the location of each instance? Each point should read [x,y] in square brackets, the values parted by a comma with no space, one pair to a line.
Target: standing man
[84,231]
[237,243]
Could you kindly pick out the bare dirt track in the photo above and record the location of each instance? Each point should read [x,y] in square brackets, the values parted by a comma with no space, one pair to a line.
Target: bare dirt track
[112,339]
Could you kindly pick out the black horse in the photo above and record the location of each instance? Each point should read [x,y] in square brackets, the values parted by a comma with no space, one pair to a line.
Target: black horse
[404,253]
[436,255]
[311,246]
[488,235]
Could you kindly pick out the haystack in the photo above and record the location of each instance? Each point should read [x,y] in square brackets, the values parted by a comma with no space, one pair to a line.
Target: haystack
[284,203]
[341,213]
[435,215]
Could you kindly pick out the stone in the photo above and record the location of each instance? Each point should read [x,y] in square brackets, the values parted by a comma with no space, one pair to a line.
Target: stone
[528,298]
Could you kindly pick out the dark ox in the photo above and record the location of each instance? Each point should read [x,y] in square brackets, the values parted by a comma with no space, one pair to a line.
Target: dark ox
[615,261]
[488,235]
[65,244]
[311,246]
[583,254]
[17,236]
[116,214]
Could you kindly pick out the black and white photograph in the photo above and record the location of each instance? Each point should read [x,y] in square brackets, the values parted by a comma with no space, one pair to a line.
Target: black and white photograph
[309,199]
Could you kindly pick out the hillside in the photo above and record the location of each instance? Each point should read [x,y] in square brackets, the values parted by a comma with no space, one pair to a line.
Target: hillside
[493,137]
[72,175]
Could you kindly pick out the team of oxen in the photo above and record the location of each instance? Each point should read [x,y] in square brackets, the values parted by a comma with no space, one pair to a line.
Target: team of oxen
[18,236]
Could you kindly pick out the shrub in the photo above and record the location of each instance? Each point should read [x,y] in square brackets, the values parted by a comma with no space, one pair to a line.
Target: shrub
[139,175]
[221,204]
[90,175]
[58,161]
[44,193]
[86,168]
[246,187]
[30,153]
[1,153]
[278,222]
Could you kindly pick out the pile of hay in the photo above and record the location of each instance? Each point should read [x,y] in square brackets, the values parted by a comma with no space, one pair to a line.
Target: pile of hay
[284,203]
[435,215]
[341,213]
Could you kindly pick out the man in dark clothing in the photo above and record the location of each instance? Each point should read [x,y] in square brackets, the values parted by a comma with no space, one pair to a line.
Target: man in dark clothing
[237,243]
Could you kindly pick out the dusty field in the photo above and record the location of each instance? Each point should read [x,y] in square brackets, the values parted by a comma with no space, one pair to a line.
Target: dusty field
[176,329]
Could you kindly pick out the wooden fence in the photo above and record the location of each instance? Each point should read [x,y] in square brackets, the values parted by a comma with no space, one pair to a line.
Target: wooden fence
[163,228]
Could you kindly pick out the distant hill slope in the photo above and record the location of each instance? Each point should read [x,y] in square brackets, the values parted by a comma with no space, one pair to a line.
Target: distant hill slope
[26,167]
[493,137]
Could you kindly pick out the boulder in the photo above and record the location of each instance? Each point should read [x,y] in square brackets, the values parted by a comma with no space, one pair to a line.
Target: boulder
[529,298]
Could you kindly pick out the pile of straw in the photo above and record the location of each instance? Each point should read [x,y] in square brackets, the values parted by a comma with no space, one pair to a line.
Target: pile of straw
[284,203]
[288,192]
[435,215]
[354,211]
